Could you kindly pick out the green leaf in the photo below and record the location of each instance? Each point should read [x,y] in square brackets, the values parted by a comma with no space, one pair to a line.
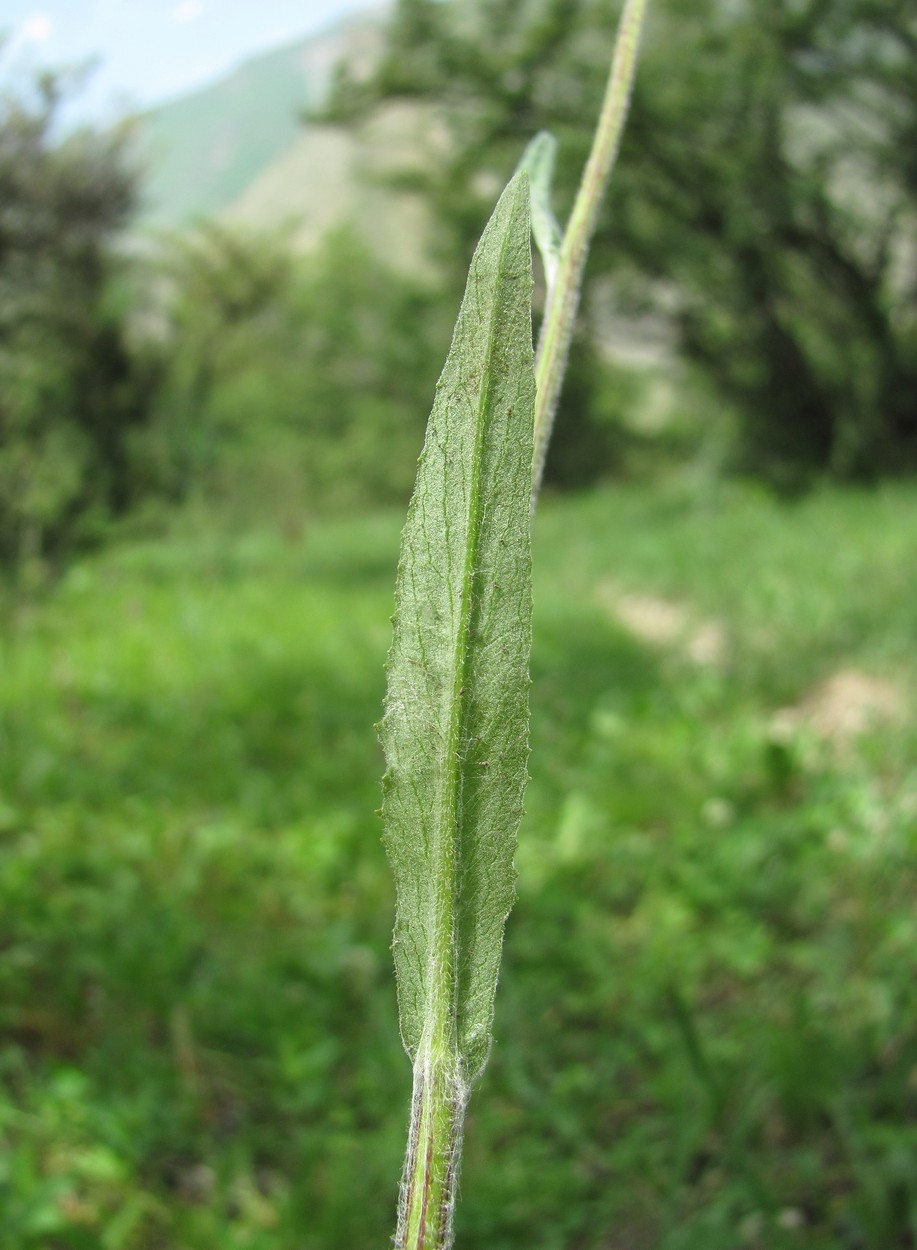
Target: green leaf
[455,729]
[538,162]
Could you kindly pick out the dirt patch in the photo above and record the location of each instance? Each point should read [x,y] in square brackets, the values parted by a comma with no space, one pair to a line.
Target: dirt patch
[665,623]
[651,620]
[847,704]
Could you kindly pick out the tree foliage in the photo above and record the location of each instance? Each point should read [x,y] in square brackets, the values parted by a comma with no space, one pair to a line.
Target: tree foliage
[296,383]
[72,388]
[765,202]
[216,365]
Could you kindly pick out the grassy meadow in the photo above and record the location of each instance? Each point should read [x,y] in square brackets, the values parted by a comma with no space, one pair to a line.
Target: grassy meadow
[706,1036]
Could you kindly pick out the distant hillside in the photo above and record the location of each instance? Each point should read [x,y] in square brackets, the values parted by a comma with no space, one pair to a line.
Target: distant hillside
[240,146]
[329,177]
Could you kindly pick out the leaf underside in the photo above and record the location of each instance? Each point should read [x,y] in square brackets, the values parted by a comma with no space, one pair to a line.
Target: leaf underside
[538,162]
[455,728]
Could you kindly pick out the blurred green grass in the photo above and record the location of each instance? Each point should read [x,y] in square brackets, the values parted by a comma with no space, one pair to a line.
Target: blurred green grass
[705,1027]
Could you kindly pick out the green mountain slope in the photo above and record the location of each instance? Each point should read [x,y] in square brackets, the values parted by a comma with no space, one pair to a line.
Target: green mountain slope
[202,151]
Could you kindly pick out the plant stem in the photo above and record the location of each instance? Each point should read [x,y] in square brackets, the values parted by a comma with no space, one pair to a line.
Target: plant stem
[430,1181]
[563,298]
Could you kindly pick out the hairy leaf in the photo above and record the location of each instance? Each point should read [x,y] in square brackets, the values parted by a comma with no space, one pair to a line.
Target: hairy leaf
[538,162]
[455,729]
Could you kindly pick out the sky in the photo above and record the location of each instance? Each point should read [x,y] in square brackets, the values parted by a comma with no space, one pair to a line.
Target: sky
[148,51]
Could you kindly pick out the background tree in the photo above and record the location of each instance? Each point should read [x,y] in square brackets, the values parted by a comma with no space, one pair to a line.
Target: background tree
[765,204]
[73,388]
[219,295]
[217,365]
[296,384]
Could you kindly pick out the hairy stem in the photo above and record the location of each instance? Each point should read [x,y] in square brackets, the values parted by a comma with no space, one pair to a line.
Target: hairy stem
[564,296]
[430,1181]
